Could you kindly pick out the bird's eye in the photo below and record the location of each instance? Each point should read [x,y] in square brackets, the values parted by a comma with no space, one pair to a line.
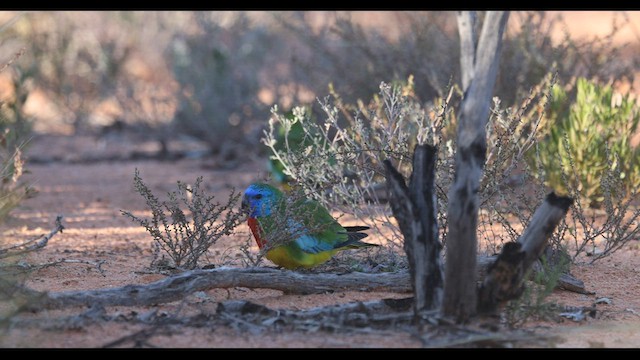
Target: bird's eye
[258,196]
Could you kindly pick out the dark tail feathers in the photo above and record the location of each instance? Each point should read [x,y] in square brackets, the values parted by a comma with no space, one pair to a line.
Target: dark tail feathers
[355,228]
[354,237]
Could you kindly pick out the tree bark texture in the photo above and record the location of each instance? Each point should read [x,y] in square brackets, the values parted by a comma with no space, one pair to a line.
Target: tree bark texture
[460,300]
[466,30]
[177,287]
[505,277]
[415,208]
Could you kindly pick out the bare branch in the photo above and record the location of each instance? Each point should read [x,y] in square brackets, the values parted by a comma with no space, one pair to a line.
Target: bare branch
[459,300]
[13,59]
[414,207]
[505,277]
[33,244]
[466,30]
[178,286]
[23,266]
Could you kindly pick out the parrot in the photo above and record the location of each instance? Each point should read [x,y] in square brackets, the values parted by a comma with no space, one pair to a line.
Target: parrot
[311,235]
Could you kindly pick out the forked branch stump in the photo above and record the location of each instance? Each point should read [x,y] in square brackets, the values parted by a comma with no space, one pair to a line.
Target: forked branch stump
[505,277]
[415,208]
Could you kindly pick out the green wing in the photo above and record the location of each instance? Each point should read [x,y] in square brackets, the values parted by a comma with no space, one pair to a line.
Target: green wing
[317,219]
[324,231]
[308,226]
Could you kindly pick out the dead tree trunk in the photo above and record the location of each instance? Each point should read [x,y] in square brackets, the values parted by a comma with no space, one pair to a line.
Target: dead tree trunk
[459,300]
[466,29]
[415,209]
[504,280]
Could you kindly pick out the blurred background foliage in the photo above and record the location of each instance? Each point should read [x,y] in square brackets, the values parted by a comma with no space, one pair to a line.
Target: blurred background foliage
[215,75]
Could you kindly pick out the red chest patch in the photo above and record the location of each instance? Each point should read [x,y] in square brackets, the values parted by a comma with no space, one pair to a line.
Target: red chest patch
[257,233]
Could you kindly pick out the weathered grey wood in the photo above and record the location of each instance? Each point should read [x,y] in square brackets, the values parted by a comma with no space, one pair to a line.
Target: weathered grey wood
[178,286]
[459,300]
[505,277]
[474,109]
[33,244]
[542,224]
[569,283]
[414,207]
[466,30]
[372,307]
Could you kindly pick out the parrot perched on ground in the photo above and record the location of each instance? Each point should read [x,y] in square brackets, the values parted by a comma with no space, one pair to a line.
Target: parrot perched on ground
[301,233]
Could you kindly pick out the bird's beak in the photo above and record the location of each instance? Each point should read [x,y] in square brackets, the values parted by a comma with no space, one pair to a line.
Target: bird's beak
[245,205]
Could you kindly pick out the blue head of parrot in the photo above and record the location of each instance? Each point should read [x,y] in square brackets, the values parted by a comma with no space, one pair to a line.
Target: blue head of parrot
[259,199]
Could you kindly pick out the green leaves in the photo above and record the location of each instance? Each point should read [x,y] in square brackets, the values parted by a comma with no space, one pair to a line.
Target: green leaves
[588,139]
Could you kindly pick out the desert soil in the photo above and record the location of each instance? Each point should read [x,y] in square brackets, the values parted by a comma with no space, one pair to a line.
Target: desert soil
[90,195]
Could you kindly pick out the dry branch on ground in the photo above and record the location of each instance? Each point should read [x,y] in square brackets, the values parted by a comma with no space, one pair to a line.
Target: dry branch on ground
[33,244]
[178,286]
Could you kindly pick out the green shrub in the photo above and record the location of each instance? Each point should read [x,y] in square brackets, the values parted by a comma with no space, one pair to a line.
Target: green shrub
[588,141]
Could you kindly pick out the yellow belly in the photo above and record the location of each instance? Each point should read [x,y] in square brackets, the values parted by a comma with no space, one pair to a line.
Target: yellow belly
[291,259]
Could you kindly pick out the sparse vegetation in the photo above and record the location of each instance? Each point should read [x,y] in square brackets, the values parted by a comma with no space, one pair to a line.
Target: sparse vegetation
[533,304]
[246,62]
[344,161]
[14,132]
[218,69]
[14,129]
[342,165]
[185,236]
[12,189]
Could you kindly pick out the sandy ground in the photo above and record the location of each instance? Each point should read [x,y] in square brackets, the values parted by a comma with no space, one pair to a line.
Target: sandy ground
[91,195]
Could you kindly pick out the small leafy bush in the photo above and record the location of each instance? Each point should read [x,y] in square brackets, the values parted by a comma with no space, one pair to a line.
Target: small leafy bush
[186,235]
[588,141]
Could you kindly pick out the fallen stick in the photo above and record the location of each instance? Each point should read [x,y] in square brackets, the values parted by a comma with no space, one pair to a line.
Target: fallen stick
[178,286]
[33,244]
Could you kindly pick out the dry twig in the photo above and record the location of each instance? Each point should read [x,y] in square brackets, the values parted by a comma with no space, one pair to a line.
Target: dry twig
[33,244]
